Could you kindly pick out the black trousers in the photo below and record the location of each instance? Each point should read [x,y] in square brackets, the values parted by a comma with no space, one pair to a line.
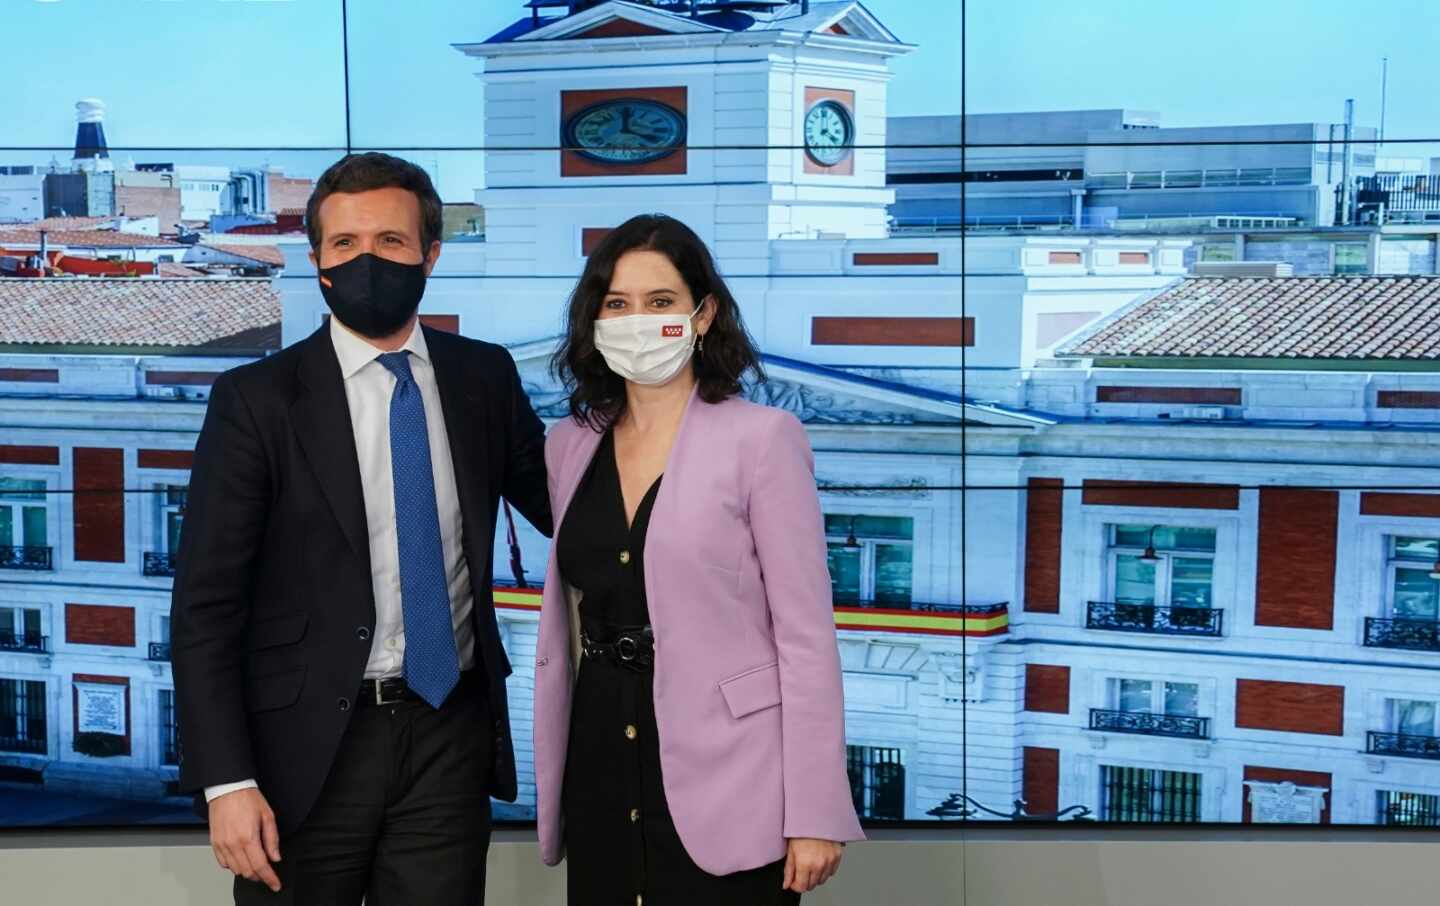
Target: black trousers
[404,816]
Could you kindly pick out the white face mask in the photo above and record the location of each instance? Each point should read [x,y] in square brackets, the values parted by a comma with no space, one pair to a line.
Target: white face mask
[647,349]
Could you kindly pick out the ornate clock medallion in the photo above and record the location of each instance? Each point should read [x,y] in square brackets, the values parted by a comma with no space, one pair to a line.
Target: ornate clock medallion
[625,131]
[829,133]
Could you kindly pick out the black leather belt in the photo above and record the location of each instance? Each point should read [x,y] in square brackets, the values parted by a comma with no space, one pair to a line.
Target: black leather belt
[387,691]
[630,646]
[393,689]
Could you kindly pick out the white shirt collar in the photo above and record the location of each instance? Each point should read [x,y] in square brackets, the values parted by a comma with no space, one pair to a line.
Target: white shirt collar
[354,352]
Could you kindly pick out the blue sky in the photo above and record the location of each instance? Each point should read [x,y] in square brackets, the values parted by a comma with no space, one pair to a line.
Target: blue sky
[269,73]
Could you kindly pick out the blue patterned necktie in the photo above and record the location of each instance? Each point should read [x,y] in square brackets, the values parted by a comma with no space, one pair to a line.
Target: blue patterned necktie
[431,666]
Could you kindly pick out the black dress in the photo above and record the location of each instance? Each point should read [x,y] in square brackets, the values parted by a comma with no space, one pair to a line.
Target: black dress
[621,845]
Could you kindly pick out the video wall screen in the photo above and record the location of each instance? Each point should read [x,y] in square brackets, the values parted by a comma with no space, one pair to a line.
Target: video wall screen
[1118,362]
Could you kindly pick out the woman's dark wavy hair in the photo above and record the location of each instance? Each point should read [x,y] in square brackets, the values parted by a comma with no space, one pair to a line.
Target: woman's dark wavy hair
[597,394]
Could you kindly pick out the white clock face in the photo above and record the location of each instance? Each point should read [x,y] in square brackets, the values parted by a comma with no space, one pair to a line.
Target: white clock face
[625,131]
[829,133]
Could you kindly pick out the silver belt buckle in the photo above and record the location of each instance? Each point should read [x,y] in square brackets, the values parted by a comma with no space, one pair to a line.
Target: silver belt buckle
[627,648]
[380,698]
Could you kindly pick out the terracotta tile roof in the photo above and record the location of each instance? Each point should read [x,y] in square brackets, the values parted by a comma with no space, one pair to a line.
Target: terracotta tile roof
[140,312]
[178,270]
[291,212]
[1276,317]
[65,223]
[266,254]
[25,234]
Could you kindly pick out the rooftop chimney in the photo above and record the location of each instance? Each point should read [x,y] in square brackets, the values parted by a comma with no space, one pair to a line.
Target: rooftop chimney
[90,147]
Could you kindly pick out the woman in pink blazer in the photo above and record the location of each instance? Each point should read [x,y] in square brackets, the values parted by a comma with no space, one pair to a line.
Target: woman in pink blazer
[689,721]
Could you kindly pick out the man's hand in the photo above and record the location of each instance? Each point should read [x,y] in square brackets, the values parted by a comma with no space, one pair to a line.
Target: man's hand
[810,863]
[244,837]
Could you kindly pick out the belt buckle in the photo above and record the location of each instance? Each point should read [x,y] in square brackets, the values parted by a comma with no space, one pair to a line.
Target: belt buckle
[380,698]
[627,648]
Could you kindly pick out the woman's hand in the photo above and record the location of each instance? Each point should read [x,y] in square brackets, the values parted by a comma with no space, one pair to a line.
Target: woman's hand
[810,863]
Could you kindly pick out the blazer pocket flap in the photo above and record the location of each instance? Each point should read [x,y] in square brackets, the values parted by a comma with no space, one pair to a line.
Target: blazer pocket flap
[751,691]
[283,630]
[274,690]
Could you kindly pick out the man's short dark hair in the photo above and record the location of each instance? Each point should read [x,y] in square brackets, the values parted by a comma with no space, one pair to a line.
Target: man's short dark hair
[374,170]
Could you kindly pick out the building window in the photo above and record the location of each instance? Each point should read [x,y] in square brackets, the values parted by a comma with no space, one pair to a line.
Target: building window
[871,558]
[20,629]
[1148,795]
[877,782]
[169,740]
[1412,718]
[1408,809]
[1352,258]
[23,518]
[1161,565]
[160,647]
[1414,578]
[22,716]
[1153,708]
[172,514]
[1154,697]
[170,504]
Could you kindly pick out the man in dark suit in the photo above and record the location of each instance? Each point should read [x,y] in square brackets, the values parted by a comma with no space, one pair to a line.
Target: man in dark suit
[339,677]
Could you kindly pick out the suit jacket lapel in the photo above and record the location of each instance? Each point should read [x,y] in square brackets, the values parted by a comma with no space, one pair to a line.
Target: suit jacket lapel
[320,415]
[463,413]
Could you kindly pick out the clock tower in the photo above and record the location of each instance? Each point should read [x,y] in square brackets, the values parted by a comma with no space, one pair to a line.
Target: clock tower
[751,120]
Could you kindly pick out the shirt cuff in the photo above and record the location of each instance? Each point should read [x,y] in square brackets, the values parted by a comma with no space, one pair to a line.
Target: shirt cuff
[215,792]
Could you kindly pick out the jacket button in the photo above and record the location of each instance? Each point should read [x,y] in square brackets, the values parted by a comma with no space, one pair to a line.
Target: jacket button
[634,815]
[630,731]
[624,557]
[343,704]
[362,633]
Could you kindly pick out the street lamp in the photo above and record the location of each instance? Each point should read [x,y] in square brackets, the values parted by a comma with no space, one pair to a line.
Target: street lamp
[959,805]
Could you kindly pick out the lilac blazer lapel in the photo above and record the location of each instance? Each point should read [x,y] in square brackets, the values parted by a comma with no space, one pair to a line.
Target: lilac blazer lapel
[575,466]
[688,446]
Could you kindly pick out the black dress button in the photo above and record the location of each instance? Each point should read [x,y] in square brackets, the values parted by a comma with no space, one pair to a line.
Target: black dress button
[362,633]
[343,704]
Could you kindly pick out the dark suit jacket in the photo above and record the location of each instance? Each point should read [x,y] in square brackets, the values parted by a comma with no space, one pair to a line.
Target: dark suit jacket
[273,612]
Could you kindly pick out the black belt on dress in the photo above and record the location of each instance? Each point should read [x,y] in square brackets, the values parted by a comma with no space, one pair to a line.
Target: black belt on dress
[629,646]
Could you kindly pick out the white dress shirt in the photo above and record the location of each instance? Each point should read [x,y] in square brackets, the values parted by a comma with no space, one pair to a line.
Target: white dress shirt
[368,387]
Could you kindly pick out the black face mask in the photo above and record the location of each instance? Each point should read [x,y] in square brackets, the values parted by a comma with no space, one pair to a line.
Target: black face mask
[373,296]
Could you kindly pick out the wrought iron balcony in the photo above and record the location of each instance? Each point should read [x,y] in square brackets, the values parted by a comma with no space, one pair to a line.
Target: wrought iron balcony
[1146,723]
[1150,618]
[31,745]
[1411,635]
[159,651]
[1403,745]
[157,563]
[31,557]
[32,642]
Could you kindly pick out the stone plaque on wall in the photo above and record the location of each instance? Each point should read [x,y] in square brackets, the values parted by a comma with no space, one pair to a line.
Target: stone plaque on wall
[101,708]
[1285,803]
